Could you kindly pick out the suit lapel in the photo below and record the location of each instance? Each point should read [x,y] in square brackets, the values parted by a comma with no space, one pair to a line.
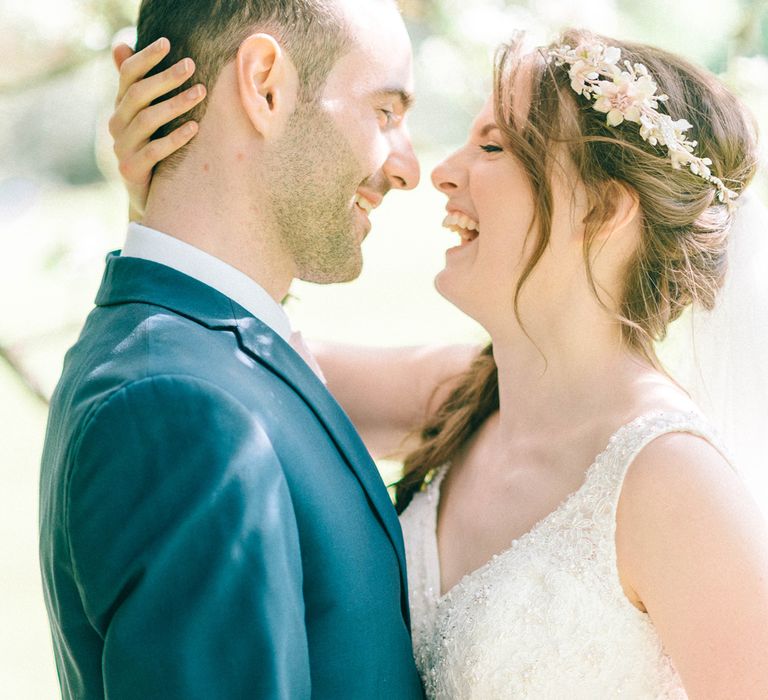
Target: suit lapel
[266,347]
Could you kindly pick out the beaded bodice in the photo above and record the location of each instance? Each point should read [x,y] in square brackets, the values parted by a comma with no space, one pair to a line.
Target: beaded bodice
[547,618]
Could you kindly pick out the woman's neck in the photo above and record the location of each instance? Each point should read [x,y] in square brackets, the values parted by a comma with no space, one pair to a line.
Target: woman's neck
[566,369]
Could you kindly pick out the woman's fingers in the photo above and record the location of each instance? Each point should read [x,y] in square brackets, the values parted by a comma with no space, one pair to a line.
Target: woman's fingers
[136,118]
[136,134]
[120,53]
[139,64]
[141,94]
[137,169]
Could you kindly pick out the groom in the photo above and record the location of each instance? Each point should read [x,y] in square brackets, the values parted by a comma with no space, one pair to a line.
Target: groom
[211,525]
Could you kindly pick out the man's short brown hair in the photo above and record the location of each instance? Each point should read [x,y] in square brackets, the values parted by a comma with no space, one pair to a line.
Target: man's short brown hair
[312,32]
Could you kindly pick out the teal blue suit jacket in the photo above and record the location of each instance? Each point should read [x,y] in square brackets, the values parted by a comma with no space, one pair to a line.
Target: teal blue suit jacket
[211,524]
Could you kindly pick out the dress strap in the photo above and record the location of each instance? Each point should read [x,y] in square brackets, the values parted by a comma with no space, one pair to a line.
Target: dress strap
[628,442]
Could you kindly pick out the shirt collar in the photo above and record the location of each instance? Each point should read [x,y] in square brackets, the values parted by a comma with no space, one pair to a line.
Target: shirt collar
[148,244]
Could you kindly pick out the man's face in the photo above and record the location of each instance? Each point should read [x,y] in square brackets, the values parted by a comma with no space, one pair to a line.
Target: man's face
[340,155]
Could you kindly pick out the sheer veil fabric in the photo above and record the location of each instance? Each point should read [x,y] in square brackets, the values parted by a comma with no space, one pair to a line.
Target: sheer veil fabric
[721,357]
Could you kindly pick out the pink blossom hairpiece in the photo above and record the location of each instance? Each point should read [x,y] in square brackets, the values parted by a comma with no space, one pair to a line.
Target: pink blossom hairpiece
[627,92]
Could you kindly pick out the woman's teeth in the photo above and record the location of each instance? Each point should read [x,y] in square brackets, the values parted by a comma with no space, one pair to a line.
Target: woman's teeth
[467,228]
[364,204]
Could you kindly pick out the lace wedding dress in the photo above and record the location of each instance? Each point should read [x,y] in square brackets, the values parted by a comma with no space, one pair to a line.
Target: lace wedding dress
[546,619]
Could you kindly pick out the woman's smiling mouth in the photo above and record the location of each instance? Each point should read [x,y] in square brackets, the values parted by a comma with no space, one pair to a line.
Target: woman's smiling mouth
[462,224]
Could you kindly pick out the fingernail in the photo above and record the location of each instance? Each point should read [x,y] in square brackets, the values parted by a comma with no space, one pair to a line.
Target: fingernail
[195,92]
[160,44]
[181,68]
[190,127]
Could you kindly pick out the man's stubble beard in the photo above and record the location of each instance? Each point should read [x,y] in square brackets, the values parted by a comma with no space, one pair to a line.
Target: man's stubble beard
[313,177]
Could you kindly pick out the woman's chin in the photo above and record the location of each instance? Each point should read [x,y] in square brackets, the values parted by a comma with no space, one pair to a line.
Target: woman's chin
[442,285]
[449,287]
[475,298]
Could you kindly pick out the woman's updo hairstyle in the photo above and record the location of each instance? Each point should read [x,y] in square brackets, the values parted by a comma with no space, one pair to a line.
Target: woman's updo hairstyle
[681,257]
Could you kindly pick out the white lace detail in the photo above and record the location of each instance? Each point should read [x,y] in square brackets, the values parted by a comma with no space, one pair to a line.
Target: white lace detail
[547,618]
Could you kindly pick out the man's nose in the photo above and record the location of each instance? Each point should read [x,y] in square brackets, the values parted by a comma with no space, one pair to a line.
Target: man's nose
[402,167]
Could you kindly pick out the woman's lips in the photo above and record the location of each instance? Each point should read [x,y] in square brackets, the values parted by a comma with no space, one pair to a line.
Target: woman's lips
[467,228]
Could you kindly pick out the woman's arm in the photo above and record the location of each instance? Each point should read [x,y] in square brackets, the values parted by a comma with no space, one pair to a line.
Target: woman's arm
[693,547]
[388,392]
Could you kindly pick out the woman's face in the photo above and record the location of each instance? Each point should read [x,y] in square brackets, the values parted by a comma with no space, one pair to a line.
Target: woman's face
[490,206]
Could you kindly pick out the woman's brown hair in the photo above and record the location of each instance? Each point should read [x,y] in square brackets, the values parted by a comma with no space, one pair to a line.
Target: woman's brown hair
[681,255]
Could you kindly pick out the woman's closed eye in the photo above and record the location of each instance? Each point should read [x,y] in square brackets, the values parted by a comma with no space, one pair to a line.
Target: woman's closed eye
[491,148]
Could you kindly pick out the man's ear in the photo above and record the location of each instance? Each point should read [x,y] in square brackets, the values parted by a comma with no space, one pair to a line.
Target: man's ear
[267,83]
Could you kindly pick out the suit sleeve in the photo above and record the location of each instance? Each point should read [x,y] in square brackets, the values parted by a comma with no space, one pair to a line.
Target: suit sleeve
[184,542]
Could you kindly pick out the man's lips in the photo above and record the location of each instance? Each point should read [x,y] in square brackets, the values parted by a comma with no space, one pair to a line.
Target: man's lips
[367,203]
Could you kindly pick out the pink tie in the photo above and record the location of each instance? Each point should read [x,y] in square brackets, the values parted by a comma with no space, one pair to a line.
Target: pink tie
[297,343]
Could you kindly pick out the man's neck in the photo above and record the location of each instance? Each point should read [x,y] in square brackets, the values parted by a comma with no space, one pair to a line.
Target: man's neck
[214,215]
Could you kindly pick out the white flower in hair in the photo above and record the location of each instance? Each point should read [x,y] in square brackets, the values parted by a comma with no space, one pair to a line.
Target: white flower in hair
[624,97]
[629,93]
[583,71]
[580,73]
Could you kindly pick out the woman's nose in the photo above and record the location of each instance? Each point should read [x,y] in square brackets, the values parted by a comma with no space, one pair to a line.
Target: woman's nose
[445,176]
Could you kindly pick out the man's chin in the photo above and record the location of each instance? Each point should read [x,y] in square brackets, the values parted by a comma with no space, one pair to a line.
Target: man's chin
[347,272]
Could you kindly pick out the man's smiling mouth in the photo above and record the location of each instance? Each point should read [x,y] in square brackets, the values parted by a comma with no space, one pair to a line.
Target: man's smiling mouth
[365,204]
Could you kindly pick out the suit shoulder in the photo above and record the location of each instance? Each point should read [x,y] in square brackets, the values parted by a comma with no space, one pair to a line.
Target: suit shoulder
[166,418]
[136,341]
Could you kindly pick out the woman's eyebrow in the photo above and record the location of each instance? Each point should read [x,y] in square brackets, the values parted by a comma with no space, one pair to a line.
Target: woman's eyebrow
[487,129]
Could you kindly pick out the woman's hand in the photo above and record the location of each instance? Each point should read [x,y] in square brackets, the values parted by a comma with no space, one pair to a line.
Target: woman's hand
[136,118]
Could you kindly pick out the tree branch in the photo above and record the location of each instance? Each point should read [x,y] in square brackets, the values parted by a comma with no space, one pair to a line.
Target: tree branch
[27,380]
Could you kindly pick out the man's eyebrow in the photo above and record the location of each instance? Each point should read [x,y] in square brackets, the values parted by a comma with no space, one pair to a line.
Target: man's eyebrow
[406,98]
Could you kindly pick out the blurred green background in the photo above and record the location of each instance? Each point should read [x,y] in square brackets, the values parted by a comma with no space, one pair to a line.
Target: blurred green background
[62,209]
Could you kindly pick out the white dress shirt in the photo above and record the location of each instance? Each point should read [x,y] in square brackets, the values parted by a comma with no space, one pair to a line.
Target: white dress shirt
[149,244]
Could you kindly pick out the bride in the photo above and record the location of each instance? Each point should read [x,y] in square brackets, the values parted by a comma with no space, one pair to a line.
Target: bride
[573,526]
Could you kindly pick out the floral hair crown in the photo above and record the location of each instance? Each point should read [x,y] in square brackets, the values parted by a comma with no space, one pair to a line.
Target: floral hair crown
[629,94]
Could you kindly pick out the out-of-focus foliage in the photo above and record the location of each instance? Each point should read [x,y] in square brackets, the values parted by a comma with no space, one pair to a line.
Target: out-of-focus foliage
[55,82]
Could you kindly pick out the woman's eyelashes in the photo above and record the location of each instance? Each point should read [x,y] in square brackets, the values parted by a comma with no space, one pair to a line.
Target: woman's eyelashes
[491,148]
